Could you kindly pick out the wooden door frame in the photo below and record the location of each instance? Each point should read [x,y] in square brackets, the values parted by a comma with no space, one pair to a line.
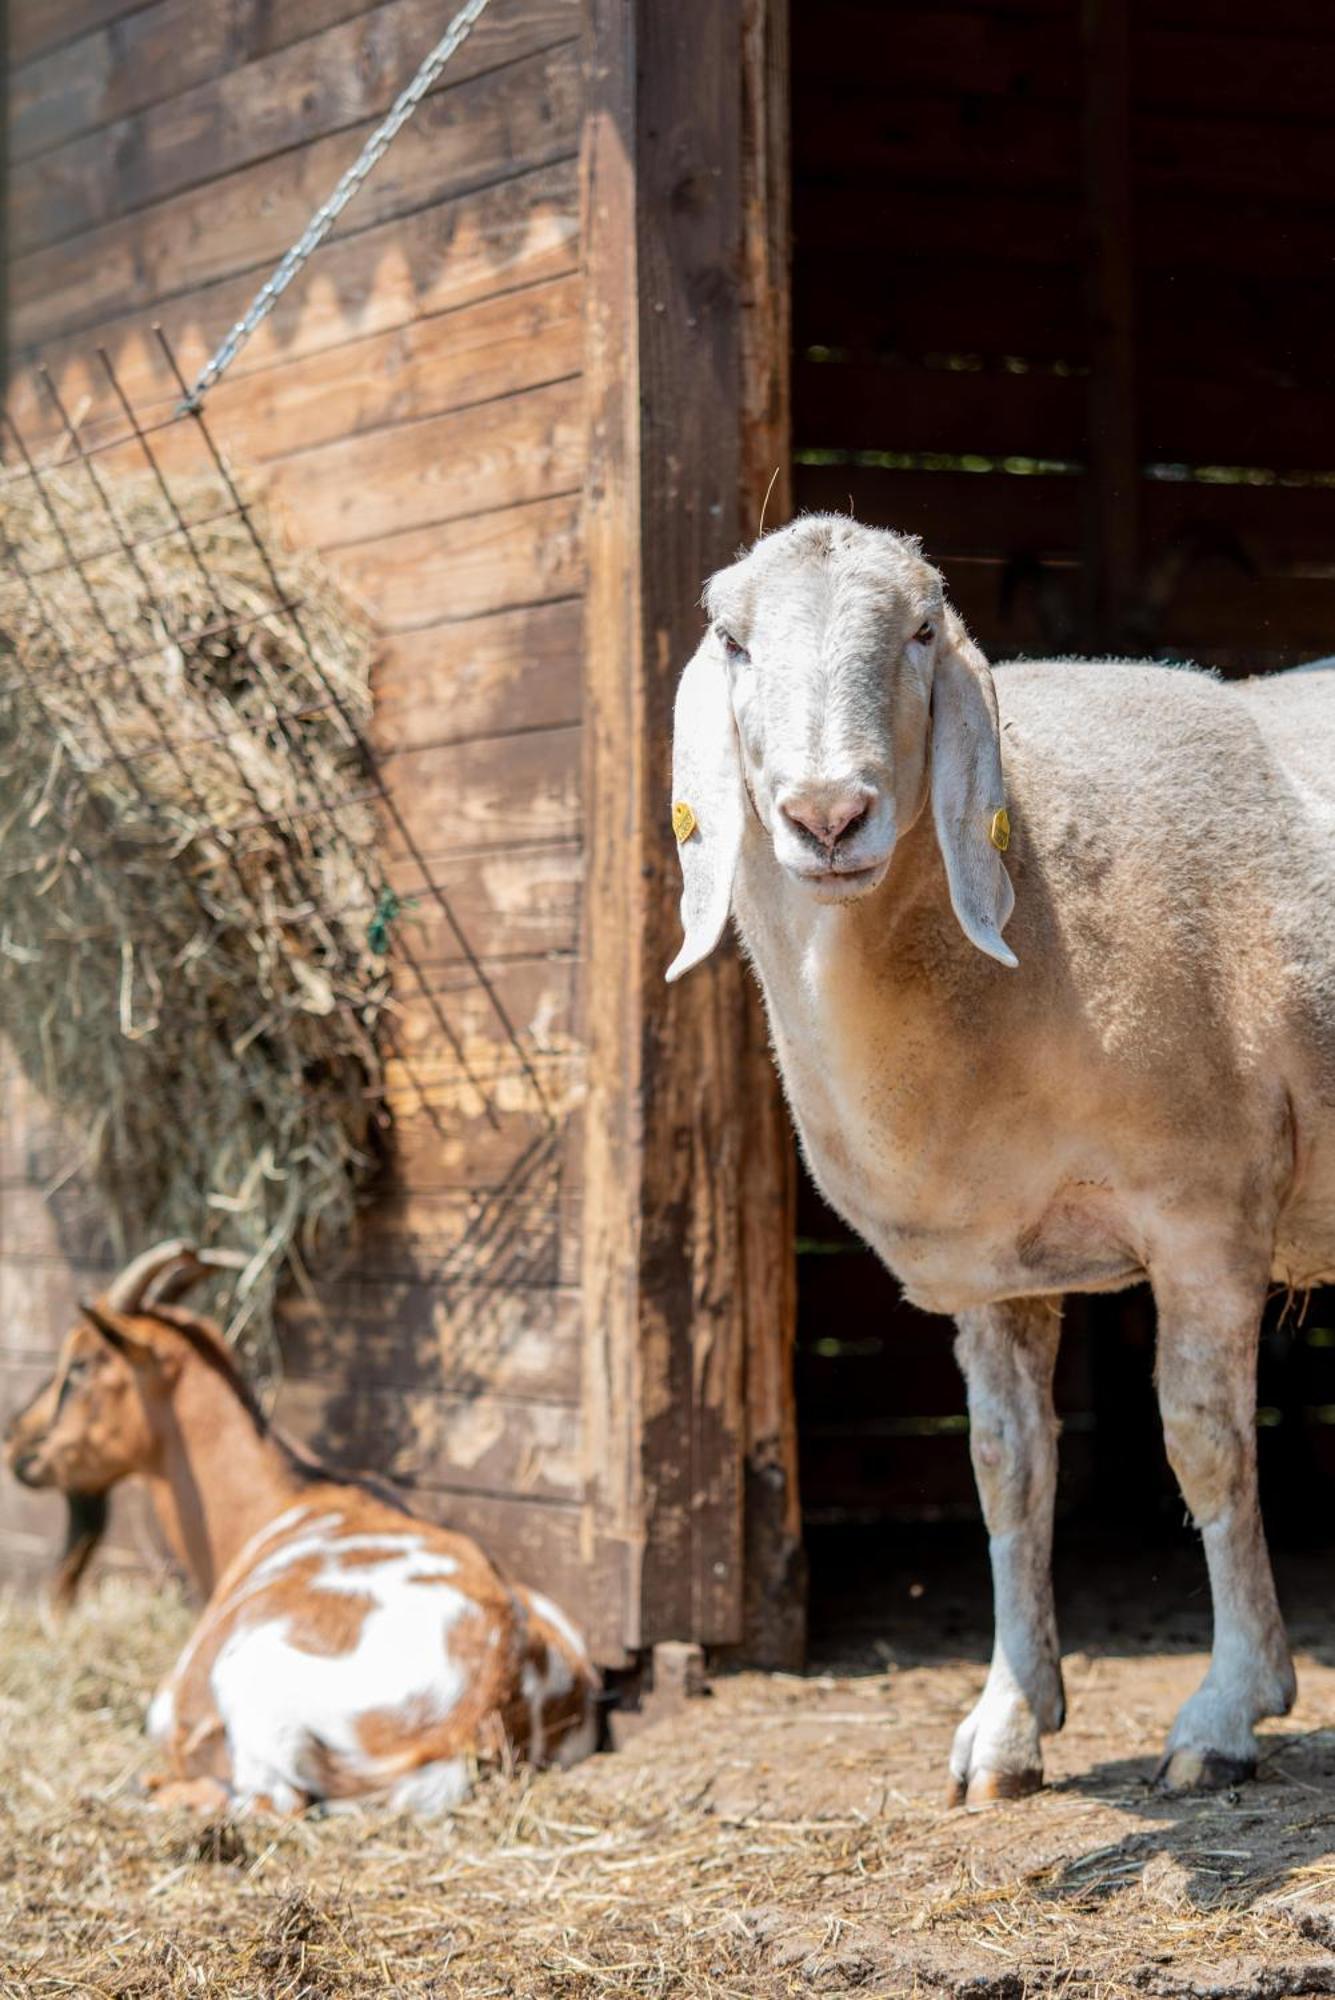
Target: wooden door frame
[688,1208]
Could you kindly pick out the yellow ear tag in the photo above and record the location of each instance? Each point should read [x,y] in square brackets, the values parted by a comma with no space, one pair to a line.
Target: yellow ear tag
[684,821]
[999,833]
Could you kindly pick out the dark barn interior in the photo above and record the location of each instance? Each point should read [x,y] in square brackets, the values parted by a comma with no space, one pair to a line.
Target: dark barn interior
[1062,298]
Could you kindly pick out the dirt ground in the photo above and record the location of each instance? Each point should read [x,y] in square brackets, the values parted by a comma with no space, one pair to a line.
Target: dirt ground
[784,1835]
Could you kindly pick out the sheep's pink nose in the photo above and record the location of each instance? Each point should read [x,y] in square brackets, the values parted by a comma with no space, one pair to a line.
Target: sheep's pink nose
[826,812]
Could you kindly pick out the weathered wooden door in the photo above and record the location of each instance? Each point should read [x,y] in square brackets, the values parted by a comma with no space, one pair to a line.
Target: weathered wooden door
[688,1162]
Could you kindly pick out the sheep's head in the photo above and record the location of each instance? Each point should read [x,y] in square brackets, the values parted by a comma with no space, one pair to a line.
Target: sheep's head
[835,691]
[97,1420]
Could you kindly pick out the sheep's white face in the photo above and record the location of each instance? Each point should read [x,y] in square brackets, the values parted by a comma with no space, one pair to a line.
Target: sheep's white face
[827,633]
[833,694]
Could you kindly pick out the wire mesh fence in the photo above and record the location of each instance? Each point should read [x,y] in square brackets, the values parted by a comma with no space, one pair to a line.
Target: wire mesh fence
[205,748]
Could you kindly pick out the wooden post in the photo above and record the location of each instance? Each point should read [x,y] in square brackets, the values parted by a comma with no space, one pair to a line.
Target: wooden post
[685,1148]
[775,1604]
[1112,544]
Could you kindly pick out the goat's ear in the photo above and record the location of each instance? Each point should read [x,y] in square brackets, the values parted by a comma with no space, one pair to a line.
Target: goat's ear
[119,1333]
[708,803]
[968,797]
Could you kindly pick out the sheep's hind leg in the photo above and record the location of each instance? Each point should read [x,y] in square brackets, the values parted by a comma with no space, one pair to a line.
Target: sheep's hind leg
[1008,1353]
[1207,1398]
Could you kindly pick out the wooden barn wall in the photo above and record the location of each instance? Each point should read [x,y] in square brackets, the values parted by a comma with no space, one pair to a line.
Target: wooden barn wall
[1061,300]
[952,318]
[414,404]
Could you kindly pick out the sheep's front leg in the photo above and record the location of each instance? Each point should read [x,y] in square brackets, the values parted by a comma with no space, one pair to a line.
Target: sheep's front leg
[1207,1396]
[1008,1353]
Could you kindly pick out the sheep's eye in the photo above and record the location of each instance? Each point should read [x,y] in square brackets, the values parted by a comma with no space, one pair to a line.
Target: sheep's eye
[732,647]
[925,634]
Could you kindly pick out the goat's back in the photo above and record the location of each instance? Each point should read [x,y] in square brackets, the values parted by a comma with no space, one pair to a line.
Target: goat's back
[352,1649]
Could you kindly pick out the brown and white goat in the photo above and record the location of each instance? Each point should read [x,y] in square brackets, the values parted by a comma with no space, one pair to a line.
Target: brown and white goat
[346,1648]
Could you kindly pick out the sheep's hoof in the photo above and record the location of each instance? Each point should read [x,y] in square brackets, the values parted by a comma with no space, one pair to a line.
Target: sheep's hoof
[989,1788]
[1202,1771]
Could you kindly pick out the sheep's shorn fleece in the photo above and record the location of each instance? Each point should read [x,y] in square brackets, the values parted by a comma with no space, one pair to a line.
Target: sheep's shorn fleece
[1099,1050]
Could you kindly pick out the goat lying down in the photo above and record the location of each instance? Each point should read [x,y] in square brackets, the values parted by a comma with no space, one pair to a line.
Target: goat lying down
[1109,1055]
[346,1649]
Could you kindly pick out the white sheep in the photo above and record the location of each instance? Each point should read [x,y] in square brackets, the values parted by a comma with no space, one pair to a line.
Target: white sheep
[1136,1080]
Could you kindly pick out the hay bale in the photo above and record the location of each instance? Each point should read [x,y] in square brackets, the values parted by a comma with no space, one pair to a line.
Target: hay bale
[186,876]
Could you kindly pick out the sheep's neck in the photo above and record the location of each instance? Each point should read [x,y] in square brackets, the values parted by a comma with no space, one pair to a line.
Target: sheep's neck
[218,1479]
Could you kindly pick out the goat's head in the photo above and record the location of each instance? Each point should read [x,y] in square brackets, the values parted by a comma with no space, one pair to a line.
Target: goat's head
[836,690]
[98,1418]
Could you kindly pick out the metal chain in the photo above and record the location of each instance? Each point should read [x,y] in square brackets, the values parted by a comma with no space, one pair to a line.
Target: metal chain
[329,211]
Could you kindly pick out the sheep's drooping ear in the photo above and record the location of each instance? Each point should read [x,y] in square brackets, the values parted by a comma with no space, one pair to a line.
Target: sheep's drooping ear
[708,803]
[968,797]
[120,1334]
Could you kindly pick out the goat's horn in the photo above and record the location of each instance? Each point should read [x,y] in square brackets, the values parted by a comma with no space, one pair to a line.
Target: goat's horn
[126,1292]
[188,1269]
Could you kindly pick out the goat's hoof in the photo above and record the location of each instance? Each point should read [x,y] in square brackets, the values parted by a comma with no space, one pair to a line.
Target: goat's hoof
[1202,1771]
[988,1788]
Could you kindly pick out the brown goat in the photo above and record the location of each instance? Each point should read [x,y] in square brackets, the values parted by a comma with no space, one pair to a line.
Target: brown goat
[346,1648]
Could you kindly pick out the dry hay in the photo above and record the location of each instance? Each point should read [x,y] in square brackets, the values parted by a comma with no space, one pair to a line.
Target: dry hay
[784,1838]
[185,971]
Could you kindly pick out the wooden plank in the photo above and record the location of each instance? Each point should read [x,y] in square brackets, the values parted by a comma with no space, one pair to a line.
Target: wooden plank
[956,513]
[515,233]
[774,1594]
[1188,415]
[610,1274]
[1254,330]
[70,1224]
[542,1543]
[515,788]
[1253,528]
[453,1338]
[34,25]
[447,362]
[1240,18]
[1254,73]
[1218,607]
[439,1150]
[511,902]
[434,469]
[945,49]
[1238,158]
[1198,422]
[450,681]
[987,53]
[860,131]
[468,568]
[1010,519]
[526,1236]
[522,116]
[977,305]
[478,1442]
[152,52]
[889,406]
[451,361]
[1112,489]
[1217,614]
[1036,227]
[440,1080]
[664,1129]
[264,109]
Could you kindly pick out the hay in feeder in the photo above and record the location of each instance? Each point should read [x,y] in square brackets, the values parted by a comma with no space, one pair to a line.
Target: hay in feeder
[186,867]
